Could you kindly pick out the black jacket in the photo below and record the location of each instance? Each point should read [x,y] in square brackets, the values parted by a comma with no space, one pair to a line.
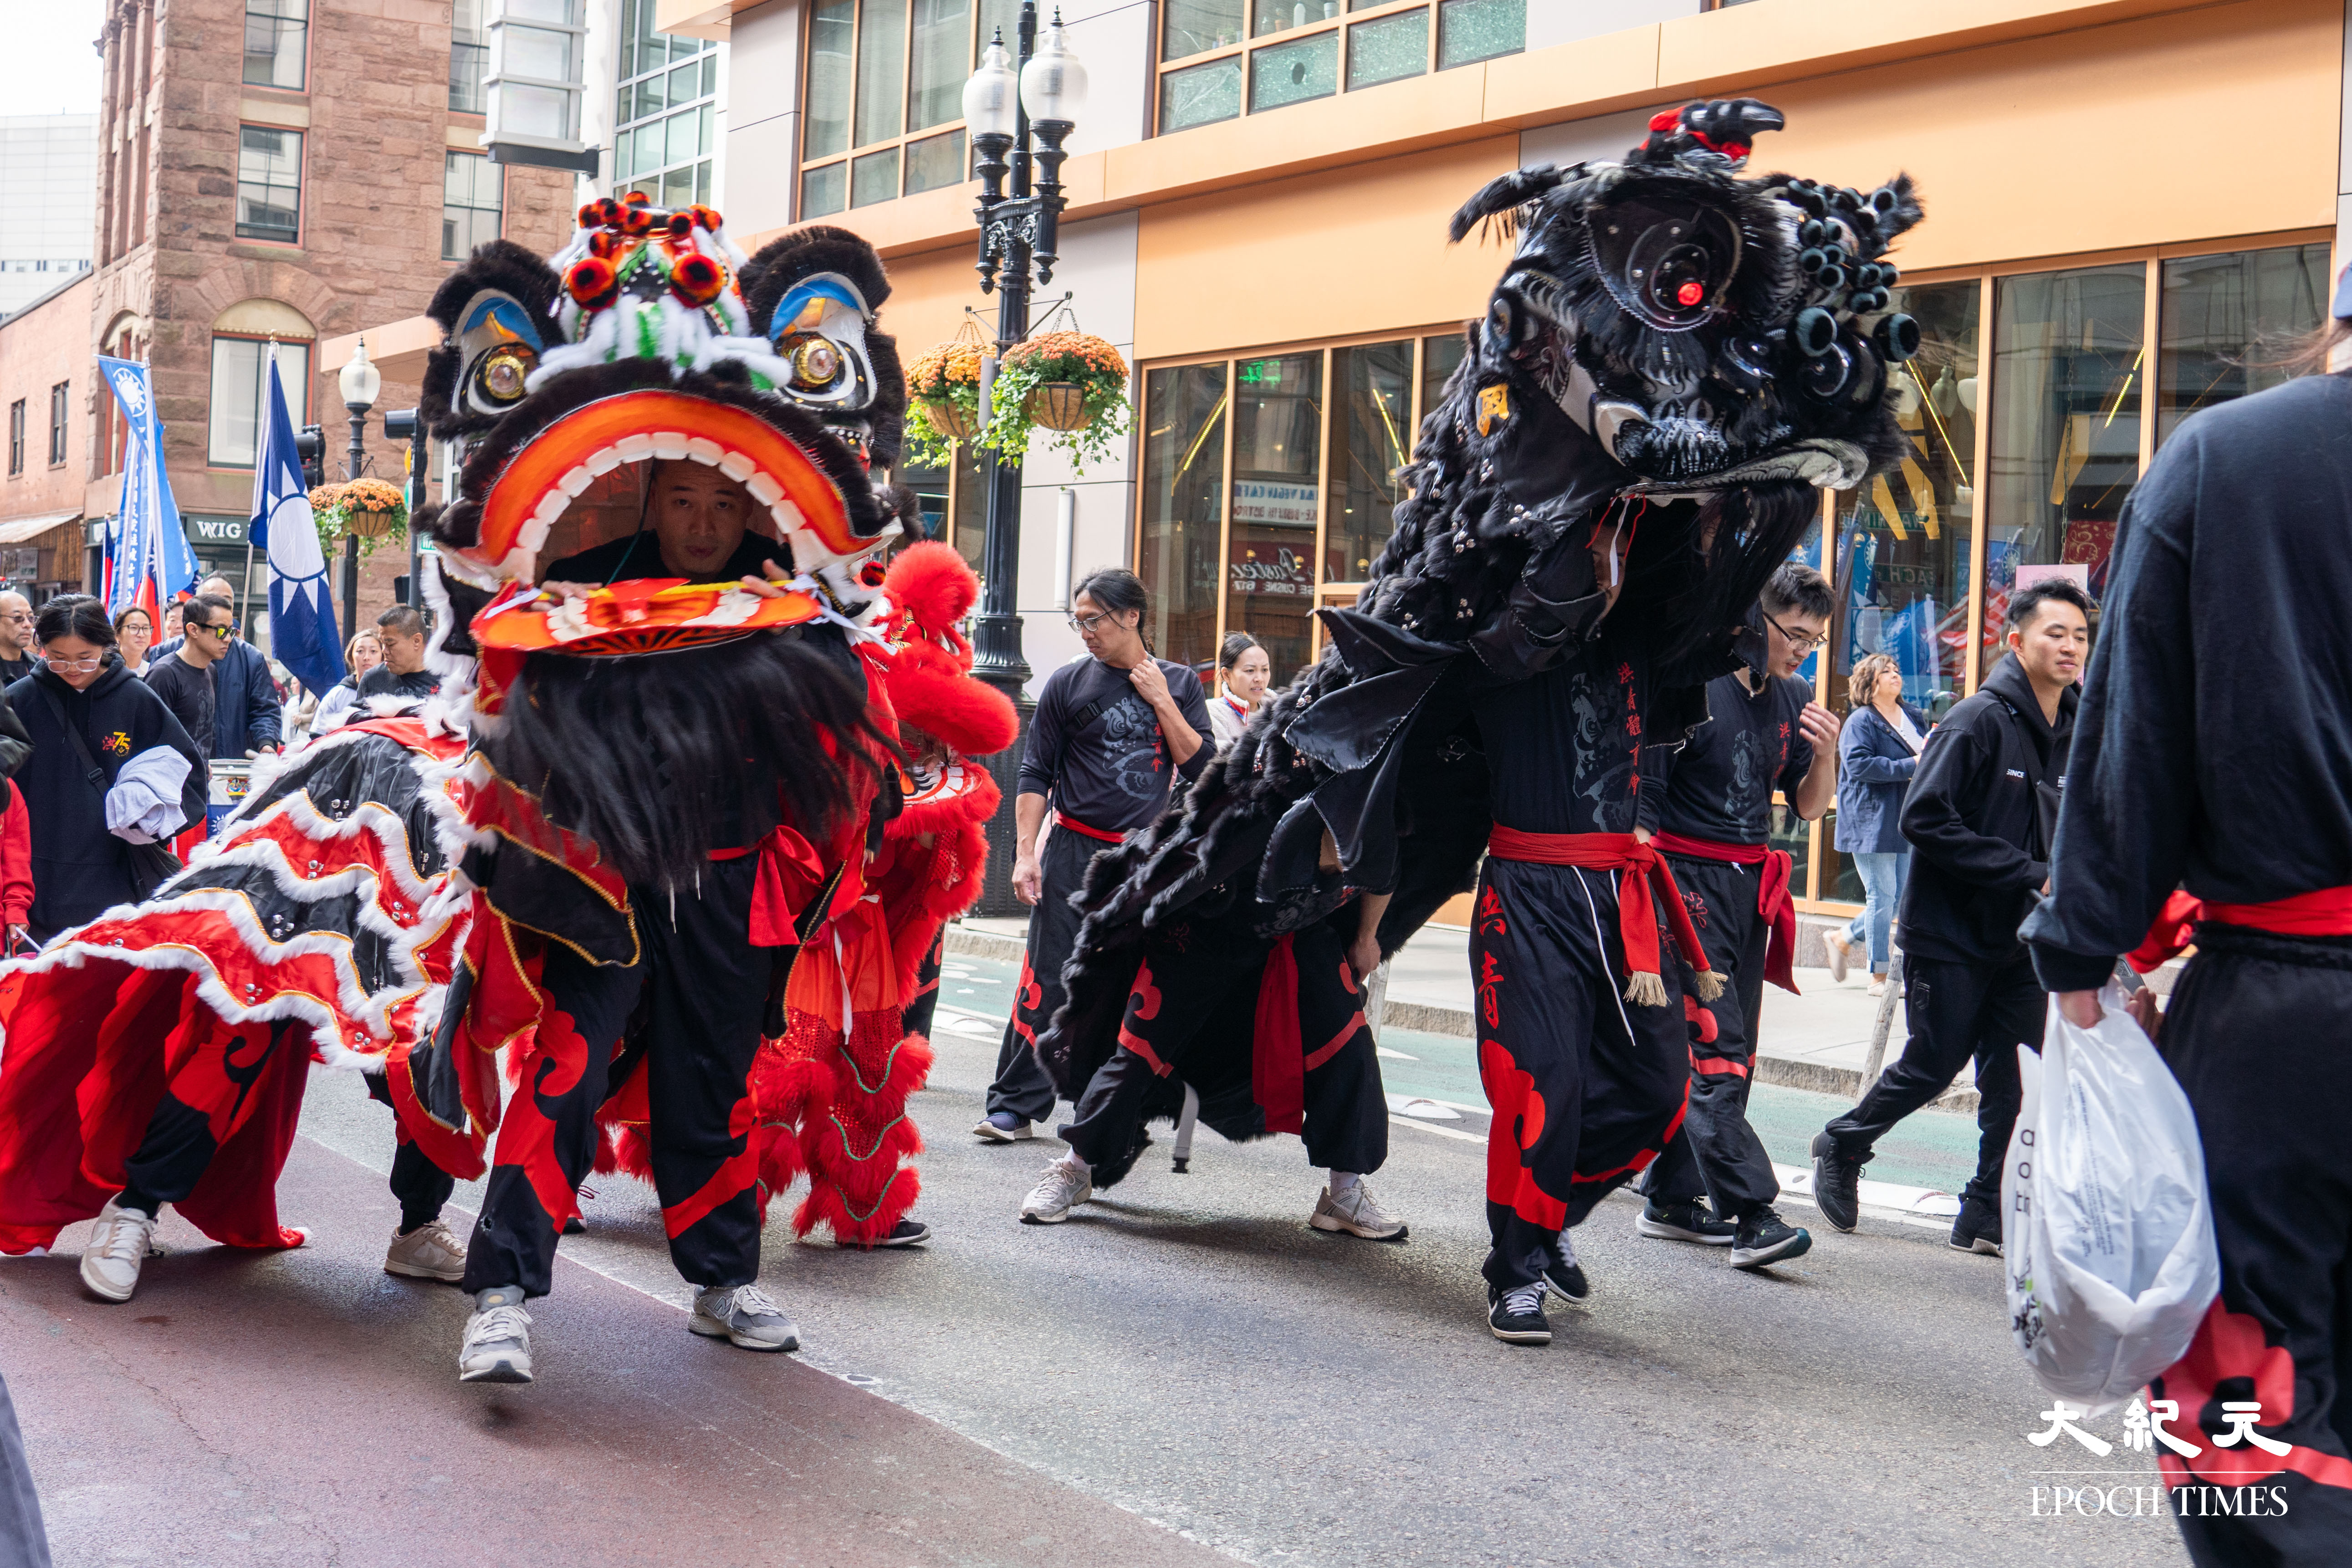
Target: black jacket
[186,690]
[2217,716]
[1988,777]
[80,869]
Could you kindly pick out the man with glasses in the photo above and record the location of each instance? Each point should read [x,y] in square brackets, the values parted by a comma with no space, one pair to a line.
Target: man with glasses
[16,637]
[1708,805]
[1111,734]
[248,716]
[184,680]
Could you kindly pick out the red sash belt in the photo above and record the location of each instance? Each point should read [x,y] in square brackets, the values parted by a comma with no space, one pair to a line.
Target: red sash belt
[1648,882]
[2324,912]
[1063,819]
[1772,900]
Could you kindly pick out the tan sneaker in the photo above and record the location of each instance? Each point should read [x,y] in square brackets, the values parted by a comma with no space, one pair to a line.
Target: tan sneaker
[1357,1213]
[1841,951]
[429,1252]
[117,1248]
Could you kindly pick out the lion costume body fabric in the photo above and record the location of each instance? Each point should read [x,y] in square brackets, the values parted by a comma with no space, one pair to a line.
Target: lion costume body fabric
[392,900]
[1673,361]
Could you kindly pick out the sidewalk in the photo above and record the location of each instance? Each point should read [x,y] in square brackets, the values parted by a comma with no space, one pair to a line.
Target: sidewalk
[1816,1040]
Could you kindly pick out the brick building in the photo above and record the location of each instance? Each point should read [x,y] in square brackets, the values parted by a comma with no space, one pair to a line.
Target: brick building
[281,171]
[45,380]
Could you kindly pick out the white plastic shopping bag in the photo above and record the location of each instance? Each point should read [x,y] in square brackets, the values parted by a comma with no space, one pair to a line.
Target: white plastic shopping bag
[2108,1231]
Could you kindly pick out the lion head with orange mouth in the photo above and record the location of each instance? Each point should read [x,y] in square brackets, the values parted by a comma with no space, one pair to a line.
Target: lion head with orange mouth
[669,709]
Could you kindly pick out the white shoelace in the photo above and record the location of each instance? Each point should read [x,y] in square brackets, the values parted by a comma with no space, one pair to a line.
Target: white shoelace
[126,1239]
[498,1323]
[1525,1300]
[754,1302]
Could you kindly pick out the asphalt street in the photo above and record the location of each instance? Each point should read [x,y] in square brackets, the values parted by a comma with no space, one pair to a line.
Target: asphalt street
[1183,1369]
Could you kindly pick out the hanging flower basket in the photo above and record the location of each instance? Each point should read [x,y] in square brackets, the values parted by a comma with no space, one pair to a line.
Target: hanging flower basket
[1071,384]
[944,382]
[370,510]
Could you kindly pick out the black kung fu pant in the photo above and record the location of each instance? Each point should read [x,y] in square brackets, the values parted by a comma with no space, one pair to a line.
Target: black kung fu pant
[1956,1011]
[1586,1086]
[1022,1085]
[1194,997]
[704,988]
[2256,1035]
[1718,1153]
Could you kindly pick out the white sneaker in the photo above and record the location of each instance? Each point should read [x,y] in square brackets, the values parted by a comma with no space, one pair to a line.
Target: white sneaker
[743,1315]
[1357,1213]
[117,1246]
[428,1252]
[498,1339]
[1877,986]
[1068,1185]
[1841,951]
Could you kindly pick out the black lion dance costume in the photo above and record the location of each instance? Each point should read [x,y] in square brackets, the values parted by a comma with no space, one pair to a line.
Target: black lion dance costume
[1675,359]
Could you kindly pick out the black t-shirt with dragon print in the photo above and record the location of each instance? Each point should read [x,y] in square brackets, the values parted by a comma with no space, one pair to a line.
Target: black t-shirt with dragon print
[1720,785]
[1112,774]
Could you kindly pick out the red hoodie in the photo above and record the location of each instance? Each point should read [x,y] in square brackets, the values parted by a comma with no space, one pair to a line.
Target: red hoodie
[16,859]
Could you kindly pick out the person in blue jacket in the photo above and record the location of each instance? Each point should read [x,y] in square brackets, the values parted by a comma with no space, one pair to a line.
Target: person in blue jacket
[248,716]
[1878,750]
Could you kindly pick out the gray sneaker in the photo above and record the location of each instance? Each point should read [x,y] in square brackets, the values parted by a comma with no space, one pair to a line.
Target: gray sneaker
[743,1315]
[1358,1214]
[1066,1184]
[498,1339]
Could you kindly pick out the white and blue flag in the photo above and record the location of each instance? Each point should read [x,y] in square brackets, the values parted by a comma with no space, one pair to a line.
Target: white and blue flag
[148,559]
[301,606]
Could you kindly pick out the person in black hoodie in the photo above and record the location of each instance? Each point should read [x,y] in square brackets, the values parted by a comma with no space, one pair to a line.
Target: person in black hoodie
[2212,798]
[1979,817]
[81,867]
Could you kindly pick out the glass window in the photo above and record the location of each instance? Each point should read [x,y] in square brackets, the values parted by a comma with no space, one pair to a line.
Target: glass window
[881,66]
[1388,49]
[469,58]
[1371,435]
[17,437]
[268,184]
[934,161]
[825,191]
[58,397]
[275,32]
[1201,95]
[663,143]
[1195,25]
[1277,496]
[470,189]
[2224,321]
[931,490]
[1281,16]
[874,178]
[1293,73]
[2068,371]
[935,84]
[1473,30]
[1440,356]
[240,379]
[973,475]
[1182,514]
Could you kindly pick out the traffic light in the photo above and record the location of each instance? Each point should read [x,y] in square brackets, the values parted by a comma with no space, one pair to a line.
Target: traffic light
[400,424]
[310,447]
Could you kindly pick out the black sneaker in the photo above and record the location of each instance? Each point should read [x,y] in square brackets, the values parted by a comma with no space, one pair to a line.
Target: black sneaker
[1979,1227]
[1563,1276]
[1515,1316]
[907,1232]
[1685,1221]
[1766,1239]
[1837,1182]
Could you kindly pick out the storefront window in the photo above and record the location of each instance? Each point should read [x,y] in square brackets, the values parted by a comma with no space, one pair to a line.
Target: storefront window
[1372,436]
[2069,372]
[1439,357]
[1302,47]
[1277,493]
[1182,515]
[2227,320]
[1193,26]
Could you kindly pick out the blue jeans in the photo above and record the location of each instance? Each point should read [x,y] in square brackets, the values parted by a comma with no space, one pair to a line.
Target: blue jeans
[1882,877]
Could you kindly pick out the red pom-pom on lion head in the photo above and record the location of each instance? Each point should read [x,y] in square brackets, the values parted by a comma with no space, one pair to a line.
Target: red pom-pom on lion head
[931,589]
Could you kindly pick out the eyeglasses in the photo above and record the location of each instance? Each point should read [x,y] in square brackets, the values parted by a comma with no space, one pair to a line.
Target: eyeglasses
[1801,645]
[1084,623]
[76,665]
[224,629]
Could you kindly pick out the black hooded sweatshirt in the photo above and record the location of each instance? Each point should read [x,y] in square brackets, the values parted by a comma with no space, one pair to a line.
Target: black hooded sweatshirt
[2217,719]
[1974,818]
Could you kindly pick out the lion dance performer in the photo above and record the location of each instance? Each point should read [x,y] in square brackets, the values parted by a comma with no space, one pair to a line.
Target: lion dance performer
[1674,359]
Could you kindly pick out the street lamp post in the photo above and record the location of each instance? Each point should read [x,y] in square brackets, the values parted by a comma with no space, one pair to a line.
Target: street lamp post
[1017,122]
[360,382]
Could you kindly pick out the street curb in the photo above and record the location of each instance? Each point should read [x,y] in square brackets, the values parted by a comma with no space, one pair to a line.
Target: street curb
[1784,1072]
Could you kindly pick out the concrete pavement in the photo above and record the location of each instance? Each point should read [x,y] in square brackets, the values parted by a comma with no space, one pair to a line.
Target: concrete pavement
[1186,1355]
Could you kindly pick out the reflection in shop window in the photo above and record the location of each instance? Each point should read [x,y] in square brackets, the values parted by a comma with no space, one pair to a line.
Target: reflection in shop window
[1371,439]
[931,490]
[1182,508]
[1192,27]
[1294,73]
[2069,375]
[1270,560]
[1201,95]
[1439,357]
[1901,575]
[2225,322]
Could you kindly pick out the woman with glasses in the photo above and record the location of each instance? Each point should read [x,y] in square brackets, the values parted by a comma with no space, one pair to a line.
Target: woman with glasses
[111,768]
[134,634]
[1243,671]
[1878,752]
